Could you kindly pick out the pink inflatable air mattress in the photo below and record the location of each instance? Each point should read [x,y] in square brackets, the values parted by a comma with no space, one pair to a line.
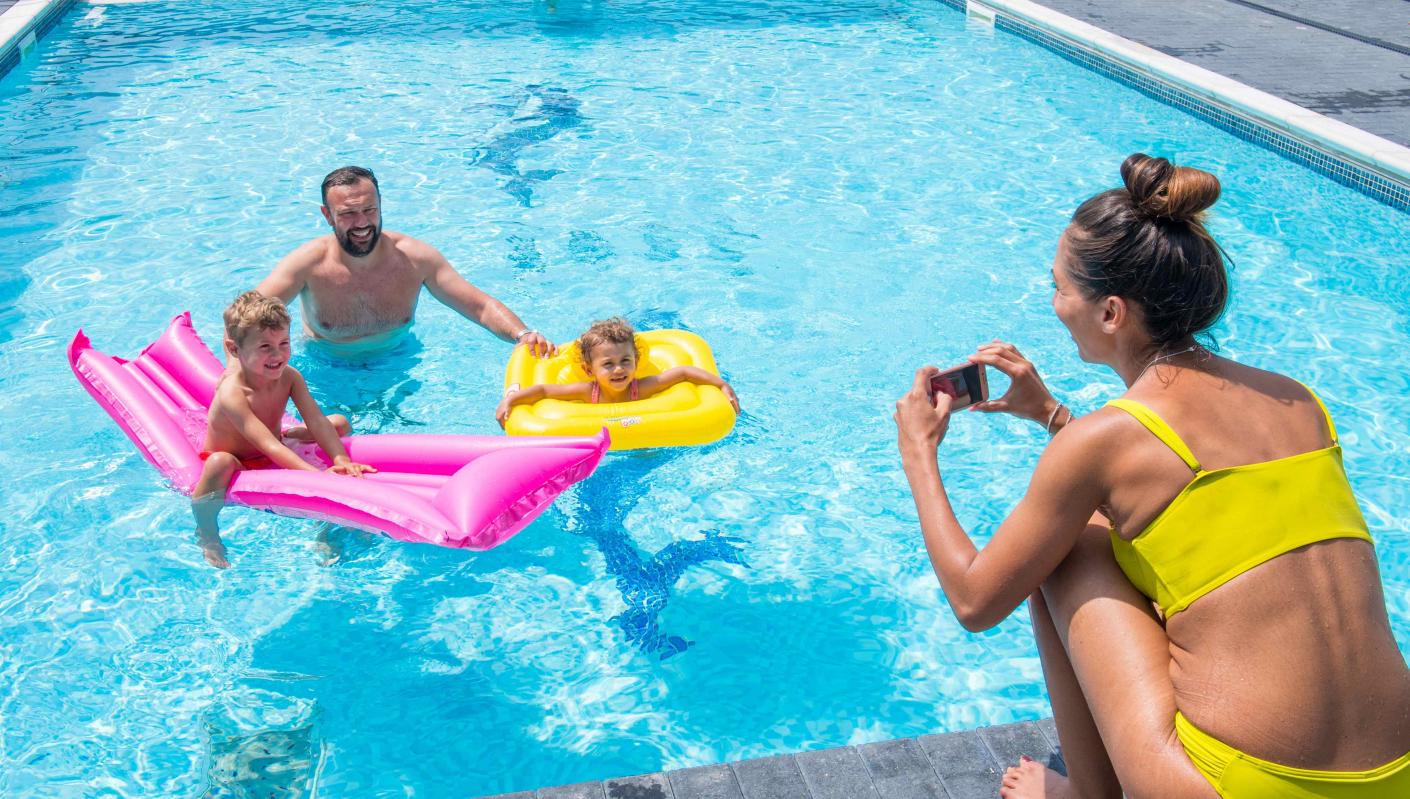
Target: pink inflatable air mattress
[455,491]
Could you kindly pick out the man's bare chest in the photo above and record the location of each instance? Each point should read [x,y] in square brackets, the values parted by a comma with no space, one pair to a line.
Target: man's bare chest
[347,299]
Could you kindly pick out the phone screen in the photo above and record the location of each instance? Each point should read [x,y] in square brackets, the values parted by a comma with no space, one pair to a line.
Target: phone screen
[965,385]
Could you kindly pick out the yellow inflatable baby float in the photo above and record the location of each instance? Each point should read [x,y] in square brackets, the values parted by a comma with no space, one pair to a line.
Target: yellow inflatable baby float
[683,414]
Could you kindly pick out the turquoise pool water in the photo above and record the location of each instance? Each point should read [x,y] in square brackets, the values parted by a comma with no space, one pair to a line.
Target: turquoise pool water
[831,194]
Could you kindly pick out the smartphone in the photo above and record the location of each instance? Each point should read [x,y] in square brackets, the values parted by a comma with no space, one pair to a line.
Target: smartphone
[965,385]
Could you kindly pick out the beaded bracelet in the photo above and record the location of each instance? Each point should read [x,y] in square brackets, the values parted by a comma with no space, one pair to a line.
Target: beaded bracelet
[1053,415]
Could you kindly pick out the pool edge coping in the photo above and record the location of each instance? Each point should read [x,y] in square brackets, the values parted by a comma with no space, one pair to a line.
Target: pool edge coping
[23,25]
[1344,142]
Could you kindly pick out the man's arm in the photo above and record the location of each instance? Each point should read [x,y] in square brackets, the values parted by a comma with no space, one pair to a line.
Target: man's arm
[291,273]
[457,293]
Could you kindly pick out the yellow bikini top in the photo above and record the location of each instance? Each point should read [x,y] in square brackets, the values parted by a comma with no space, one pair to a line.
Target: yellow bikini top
[1227,521]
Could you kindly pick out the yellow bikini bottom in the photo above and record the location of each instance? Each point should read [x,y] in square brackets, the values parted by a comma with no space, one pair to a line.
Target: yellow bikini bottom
[1236,775]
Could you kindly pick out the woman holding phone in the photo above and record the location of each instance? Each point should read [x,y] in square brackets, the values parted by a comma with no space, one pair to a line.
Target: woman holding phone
[1203,589]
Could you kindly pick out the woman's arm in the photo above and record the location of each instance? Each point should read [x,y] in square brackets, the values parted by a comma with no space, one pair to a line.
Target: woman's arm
[1027,396]
[984,586]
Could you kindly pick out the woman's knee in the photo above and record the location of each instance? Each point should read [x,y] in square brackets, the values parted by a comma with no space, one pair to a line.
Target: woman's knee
[1088,572]
[341,424]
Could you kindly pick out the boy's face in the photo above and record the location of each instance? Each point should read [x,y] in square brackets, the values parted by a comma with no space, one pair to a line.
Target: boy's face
[262,353]
[613,365]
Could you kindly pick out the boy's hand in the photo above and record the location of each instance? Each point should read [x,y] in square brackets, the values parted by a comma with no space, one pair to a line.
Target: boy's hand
[346,466]
[730,395]
[501,412]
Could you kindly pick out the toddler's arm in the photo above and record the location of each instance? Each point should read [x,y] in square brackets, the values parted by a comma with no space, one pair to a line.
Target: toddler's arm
[523,396]
[322,430]
[686,374]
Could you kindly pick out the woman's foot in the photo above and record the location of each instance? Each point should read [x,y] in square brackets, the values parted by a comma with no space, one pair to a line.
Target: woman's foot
[1032,780]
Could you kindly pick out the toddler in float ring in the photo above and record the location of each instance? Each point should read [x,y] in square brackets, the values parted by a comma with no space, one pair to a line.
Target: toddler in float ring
[243,424]
[609,355]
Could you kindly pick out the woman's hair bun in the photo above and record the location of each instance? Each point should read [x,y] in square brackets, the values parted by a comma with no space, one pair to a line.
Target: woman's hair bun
[1162,190]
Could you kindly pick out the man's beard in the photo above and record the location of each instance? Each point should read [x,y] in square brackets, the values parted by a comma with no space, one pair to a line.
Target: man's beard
[349,247]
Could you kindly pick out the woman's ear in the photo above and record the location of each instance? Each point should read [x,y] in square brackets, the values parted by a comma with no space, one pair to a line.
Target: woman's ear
[1116,314]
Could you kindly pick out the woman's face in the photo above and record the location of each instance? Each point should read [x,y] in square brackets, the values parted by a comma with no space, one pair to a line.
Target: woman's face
[1081,316]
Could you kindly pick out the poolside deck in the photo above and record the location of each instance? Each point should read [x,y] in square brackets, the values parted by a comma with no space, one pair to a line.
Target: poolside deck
[961,765]
[1347,59]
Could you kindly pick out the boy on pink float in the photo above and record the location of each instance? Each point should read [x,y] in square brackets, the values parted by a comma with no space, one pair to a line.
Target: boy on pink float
[609,355]
[243,425]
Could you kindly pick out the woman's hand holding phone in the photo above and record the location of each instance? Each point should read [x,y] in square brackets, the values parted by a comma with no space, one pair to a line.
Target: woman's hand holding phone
[1027,397]
[921,418]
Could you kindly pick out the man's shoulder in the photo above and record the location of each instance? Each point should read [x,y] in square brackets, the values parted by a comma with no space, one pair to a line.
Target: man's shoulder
[308,254]
[413,248]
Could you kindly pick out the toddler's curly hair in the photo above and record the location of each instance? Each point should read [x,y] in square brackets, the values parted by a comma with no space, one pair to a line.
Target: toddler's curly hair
[606,331]
[253,311]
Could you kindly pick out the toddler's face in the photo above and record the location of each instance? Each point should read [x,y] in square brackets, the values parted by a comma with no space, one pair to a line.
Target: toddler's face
[613,365]
[264,353]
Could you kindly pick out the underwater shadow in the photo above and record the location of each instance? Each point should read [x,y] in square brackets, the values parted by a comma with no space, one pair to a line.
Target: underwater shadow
[644,580]
[538,115]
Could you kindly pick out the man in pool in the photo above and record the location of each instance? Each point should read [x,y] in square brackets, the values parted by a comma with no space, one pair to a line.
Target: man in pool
[359,285]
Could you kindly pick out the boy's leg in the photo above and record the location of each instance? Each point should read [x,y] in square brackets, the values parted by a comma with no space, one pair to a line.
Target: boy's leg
[1120,656]
[340,423]
[207,498]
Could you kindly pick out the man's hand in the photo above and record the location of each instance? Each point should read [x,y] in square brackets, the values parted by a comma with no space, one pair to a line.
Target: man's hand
[540,346]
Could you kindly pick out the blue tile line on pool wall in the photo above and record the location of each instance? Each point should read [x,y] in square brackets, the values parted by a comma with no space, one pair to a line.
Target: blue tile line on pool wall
[10,52]
[1366,181]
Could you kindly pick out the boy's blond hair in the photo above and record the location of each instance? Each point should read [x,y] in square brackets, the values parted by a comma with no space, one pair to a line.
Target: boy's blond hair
[607,331]
[253,311]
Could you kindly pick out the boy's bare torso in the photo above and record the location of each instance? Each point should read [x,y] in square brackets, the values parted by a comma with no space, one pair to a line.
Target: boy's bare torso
[268,404]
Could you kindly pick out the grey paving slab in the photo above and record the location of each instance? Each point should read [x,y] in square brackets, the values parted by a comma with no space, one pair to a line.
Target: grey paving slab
[644,786]
[836,774]
[961,765]
[519,795]
[1330,72]
[771,778]
[705,782]
[1009,742]
[966,766]
[1049,728]
[900,770]
[583,790]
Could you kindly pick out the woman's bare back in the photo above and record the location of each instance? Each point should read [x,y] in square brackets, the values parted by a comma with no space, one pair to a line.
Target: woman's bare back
[1292,661]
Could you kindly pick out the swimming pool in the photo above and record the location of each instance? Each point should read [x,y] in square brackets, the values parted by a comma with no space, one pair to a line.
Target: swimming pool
[829,194]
